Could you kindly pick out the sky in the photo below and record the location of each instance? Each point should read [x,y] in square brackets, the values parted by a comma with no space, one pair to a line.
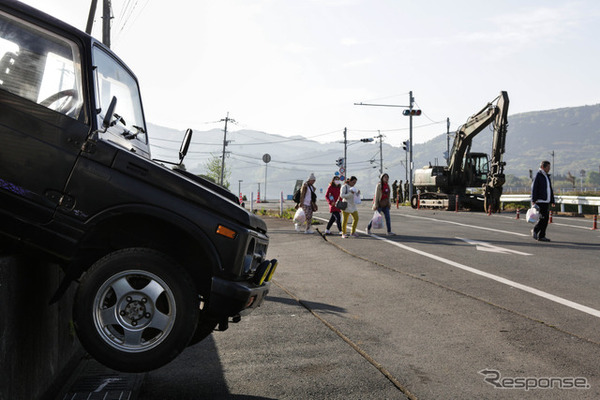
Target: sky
[297,67]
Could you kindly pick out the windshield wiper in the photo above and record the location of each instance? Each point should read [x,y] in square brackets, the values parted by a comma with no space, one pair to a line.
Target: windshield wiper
[132,135]
[118,118]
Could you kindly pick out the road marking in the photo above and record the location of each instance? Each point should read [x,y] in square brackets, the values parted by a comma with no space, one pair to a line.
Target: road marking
[516,285]
[483,246]
[468,226]
[572,226]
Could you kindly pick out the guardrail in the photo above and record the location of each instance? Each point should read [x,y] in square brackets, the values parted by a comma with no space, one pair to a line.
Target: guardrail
[580,201]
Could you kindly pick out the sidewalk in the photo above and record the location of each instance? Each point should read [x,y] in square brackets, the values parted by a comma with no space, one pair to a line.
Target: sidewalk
[280,351]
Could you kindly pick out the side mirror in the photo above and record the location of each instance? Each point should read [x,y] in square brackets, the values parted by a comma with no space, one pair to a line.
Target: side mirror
[109,113]
[185,145]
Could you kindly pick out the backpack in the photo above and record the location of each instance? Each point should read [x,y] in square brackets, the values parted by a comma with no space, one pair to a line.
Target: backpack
[296,197]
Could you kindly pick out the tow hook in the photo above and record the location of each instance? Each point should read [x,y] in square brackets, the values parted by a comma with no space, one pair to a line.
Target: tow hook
[224,323]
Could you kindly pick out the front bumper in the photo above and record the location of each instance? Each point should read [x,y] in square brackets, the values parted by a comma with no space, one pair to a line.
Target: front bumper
[230,298]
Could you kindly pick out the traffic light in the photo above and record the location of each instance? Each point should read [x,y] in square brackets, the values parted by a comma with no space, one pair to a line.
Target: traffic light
[339,162]
[405,145]
[411,112]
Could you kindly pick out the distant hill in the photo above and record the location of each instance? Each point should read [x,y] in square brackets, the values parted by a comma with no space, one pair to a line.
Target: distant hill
[572,133]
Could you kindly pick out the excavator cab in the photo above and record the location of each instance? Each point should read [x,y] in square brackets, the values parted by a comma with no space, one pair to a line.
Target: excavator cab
[477,168]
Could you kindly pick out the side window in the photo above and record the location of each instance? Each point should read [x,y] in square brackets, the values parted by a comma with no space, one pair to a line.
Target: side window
[40,66]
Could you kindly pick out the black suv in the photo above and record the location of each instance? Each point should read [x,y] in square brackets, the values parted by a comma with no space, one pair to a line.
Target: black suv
[162,257]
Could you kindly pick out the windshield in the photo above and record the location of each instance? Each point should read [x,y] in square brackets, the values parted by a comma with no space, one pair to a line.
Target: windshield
[480,162]
[113,80]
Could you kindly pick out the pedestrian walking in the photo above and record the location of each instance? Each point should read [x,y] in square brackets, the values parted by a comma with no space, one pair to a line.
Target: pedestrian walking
[381,203]
[400,195]
[308,201]
[332,195]
[348,193]
[542,196]
[395,191]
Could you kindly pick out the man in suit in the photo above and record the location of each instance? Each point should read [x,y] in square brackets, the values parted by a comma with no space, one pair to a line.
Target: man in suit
[542,195]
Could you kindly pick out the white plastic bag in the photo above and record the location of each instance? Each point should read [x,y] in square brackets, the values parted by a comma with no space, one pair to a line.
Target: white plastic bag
[357,199]
[376,221]
[299,217]
[533,215]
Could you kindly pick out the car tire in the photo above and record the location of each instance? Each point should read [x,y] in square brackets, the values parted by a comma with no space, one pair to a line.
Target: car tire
[206,325]
[414,201]
[135,310]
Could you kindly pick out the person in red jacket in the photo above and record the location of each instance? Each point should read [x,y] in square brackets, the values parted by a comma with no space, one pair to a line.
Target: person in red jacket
[332,195]
[381,203]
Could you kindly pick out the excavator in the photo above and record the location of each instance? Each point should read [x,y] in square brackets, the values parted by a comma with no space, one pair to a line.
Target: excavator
[444,186]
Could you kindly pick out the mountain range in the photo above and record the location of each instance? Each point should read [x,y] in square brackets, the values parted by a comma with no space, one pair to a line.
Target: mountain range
[567,136]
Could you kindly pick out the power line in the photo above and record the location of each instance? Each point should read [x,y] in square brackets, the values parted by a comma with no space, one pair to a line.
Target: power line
[126,15]
[427,116]
[179,142]
[398,129]
[283,141]
[295,163]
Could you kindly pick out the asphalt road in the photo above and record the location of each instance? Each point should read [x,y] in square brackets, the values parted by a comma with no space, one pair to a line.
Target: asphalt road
[418,315]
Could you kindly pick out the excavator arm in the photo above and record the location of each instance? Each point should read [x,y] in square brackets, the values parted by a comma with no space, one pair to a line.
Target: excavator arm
[496,113]
[475,124]
[496,176]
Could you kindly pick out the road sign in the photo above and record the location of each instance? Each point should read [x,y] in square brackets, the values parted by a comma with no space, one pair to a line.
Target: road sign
[342,170]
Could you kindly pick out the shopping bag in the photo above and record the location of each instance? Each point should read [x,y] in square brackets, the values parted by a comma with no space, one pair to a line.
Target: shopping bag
[376,221]
[533,215]
[299,217]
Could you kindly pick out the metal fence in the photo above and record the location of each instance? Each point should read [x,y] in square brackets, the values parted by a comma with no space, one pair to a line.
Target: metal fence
[580,201]
[527,189]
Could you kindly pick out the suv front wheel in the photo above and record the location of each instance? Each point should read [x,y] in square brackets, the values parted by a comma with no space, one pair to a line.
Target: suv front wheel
[135,310]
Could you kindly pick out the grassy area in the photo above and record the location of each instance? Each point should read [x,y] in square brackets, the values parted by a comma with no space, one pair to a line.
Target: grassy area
[288,213]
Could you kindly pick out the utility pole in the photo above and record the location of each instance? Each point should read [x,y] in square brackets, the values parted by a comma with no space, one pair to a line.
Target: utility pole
[345,152]
[552,177]
[105,20]
[447,141]
[106,23]
[227,119]
[410,146]
[380,153]
[410,112]
[90,21]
